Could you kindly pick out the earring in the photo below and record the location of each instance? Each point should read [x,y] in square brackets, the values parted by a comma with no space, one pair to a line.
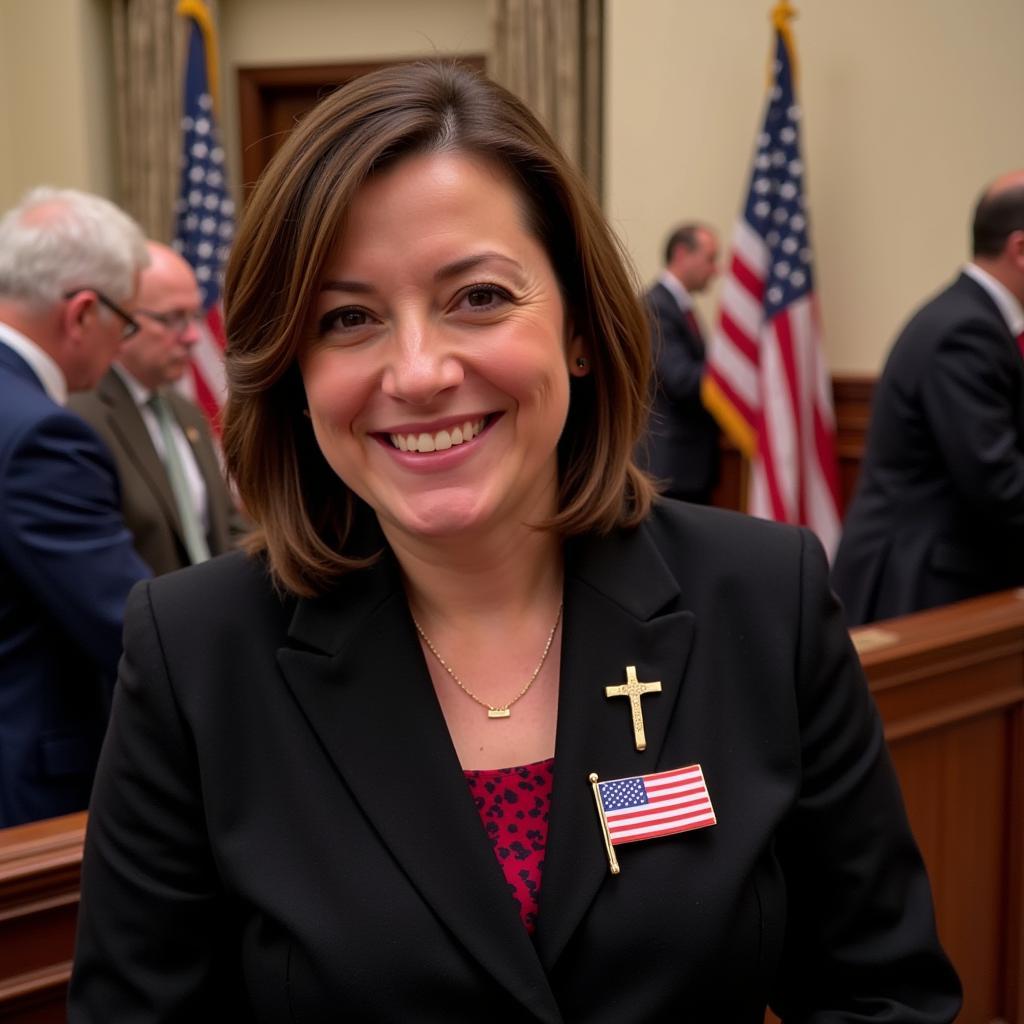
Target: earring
[581,363]
[305,412]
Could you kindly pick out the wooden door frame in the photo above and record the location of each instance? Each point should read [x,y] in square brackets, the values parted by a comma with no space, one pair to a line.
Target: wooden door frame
[253,82]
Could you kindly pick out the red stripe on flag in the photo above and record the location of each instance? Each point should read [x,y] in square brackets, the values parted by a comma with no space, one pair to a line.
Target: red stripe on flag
[667,830]
[206,399]
[750,280]
[767,460]
[746,345]
[215,322]
[733,398]
[825,450]
[787,351]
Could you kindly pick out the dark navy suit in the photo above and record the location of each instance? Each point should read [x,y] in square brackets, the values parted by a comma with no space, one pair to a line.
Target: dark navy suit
[681,447]
[66,566]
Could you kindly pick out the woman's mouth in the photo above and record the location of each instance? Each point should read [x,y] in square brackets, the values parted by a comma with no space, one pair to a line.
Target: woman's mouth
[438,440]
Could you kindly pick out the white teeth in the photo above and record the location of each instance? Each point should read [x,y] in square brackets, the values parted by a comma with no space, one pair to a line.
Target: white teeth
[439,442]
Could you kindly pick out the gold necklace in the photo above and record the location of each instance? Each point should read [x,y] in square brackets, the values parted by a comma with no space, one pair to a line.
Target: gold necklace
[504,710]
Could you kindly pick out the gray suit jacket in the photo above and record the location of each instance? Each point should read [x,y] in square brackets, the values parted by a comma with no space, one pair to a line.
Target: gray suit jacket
[147,501]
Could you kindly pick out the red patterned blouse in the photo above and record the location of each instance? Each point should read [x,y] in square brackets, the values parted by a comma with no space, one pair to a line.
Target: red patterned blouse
[513,804]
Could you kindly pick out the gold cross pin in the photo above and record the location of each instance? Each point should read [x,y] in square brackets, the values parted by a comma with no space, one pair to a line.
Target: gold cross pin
[634,690]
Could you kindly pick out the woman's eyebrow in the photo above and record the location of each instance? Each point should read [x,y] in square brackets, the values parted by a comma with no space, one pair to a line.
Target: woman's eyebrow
[460,266]
[448,271]
[333,285]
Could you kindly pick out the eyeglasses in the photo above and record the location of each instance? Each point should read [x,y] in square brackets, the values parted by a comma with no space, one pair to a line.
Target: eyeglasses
[130,326]
[177,321]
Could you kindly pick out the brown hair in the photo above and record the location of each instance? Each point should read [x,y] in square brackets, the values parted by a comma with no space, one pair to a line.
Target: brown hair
[304,514]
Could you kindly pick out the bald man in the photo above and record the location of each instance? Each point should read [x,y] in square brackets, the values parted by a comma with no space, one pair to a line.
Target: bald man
[174,498]
[938,515]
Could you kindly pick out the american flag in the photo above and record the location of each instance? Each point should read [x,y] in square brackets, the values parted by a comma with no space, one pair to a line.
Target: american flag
[204,212]
[767,382]
[646,806]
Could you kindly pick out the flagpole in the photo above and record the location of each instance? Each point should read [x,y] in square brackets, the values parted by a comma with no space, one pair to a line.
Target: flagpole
[200,13]
[782,14]
[613,861]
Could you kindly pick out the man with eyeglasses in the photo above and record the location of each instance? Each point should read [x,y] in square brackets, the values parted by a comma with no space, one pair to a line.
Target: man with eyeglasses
[173,495]
[69,265]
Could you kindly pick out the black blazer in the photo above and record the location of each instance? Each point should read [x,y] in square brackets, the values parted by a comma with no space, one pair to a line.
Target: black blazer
[938,514]
[681,445]
[281,830]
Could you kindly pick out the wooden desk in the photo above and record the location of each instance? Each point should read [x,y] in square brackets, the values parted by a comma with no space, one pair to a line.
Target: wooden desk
[40,867]
[949,684]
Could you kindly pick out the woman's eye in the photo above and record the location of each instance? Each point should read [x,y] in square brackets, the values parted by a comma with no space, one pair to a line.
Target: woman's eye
[344,319]
[485,296]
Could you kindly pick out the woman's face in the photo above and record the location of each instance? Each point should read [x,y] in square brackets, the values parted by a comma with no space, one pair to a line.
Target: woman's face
[437,370]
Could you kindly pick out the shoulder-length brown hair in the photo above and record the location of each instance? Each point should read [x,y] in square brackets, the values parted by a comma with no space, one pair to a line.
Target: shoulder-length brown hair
[304,514]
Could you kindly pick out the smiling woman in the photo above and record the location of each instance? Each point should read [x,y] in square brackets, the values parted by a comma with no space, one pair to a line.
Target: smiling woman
[357,772]
[441,313]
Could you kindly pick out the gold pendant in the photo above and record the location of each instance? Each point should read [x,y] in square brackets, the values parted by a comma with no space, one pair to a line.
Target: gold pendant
[499,712]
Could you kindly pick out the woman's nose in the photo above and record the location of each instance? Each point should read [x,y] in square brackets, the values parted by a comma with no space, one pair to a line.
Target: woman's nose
[421,365]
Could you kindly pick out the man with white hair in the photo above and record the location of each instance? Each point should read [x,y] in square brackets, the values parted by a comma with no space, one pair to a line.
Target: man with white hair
[69,265]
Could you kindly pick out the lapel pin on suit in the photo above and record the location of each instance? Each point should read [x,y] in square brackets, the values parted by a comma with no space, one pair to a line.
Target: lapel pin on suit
[634,690]
[649,806]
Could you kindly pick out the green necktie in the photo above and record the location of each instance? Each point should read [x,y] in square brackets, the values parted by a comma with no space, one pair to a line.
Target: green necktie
[195,541]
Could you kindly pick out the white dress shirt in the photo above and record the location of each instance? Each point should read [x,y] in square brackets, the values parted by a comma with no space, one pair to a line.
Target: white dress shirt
[50,375]
[1013,312]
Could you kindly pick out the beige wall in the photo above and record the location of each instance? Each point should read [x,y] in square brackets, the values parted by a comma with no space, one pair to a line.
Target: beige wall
[909,107]
[258,33]
[56,86]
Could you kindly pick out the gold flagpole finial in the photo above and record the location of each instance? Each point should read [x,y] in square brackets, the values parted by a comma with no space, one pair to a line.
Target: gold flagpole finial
[200,13]
[782,14]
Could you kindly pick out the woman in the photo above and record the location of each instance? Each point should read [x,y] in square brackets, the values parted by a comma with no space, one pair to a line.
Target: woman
[326,785]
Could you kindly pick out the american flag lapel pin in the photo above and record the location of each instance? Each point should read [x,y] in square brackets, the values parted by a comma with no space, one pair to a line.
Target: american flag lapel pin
[648,806]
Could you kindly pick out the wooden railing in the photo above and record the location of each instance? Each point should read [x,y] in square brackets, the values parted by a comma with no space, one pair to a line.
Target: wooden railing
[40,866]
[949,684]
[950,687]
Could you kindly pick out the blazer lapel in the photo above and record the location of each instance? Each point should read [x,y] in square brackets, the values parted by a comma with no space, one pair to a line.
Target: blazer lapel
[210,469]
[127,423]
[364,688]
[621,608]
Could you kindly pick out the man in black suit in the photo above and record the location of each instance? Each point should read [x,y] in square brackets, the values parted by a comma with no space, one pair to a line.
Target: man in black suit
[938,515]
[681,447]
